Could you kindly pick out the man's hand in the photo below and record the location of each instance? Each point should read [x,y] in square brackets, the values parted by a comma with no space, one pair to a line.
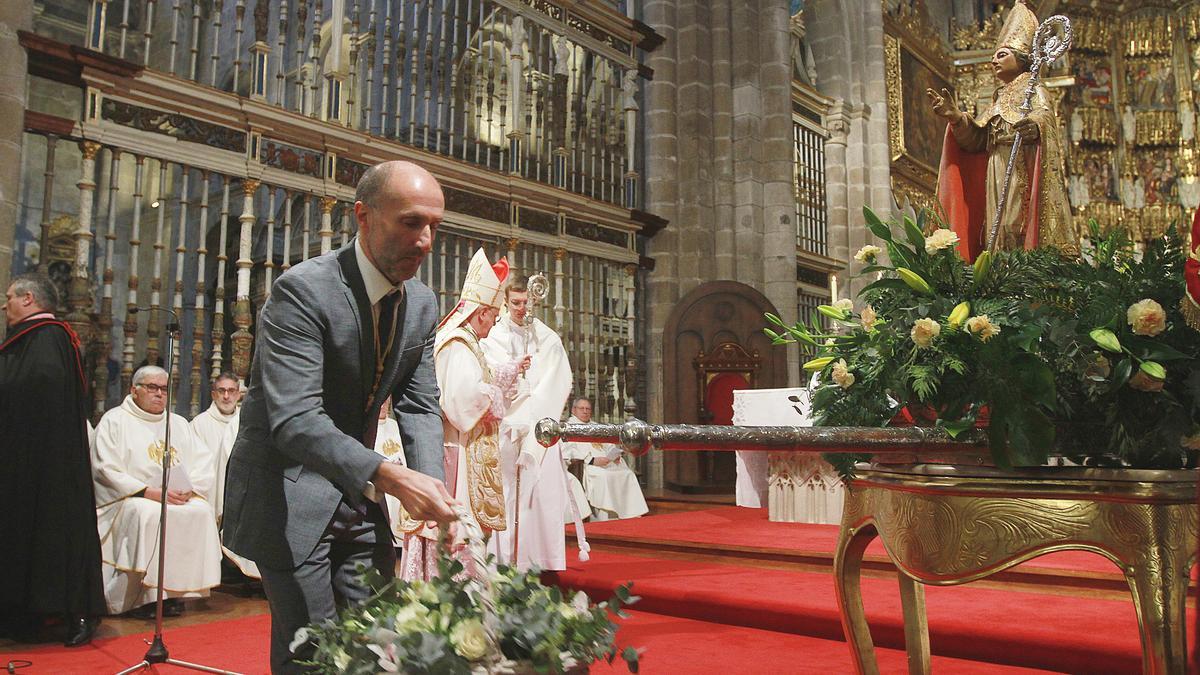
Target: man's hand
[178,497]
[523,364]
[174,497]
[601,461]
[423,497]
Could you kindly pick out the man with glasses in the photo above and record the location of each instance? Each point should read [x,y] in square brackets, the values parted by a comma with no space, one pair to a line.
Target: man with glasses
[212,424]
[127,462]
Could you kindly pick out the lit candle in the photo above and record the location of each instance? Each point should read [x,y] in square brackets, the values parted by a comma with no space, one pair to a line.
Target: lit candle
[833,294]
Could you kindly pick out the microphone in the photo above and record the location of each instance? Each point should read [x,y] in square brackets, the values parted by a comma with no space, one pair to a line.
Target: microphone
[174,325]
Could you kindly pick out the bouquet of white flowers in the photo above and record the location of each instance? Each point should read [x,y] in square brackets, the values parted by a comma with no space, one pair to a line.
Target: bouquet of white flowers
[495,620]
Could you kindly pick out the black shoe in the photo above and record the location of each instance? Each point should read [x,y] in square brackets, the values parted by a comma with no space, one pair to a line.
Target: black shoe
[173,607]
[80,630]
[146,612]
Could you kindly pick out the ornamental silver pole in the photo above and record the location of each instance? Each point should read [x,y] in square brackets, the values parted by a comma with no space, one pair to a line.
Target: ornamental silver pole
[639,438]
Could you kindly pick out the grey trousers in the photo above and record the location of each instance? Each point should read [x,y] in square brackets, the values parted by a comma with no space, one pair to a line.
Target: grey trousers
[327,580]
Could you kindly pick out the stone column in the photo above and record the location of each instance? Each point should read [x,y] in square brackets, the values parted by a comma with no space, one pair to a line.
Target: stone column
[15,15]
[776,170]
[662,190]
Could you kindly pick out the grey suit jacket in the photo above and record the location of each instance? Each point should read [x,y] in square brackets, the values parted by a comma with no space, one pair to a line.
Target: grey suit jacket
[299,449]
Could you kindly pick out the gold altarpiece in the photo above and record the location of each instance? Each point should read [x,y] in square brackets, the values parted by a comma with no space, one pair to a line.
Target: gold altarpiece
[914,59]
[1126,96]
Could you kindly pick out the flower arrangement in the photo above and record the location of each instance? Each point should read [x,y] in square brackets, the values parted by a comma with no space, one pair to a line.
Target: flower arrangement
[1051,355]
[503,621]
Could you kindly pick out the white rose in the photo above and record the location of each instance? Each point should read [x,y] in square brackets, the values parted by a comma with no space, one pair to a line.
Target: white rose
[1147,317]
[867,253]
[842,375]
[983,327]
[939,240]
[469,639]
[924,331]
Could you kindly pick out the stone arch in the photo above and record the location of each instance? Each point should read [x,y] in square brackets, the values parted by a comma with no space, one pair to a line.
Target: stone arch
[711,314]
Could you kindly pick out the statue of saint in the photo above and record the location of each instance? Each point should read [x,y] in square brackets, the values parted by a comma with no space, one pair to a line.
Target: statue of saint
[975,156]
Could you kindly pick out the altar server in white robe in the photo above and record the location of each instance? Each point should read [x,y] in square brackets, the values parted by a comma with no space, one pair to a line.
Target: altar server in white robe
[475,395]
[126,463]
[611,485]
[210,427]
[535,533]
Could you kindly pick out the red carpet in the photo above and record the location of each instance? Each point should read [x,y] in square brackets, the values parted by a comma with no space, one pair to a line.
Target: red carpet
[240,645]
[1068,634]
[734,528]
[671,645]
[677,646]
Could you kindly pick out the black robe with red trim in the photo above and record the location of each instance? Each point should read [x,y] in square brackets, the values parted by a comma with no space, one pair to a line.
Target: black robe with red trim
[51,563]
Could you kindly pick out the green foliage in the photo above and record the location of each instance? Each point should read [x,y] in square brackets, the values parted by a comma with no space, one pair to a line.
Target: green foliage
[440,627]
[1048,360]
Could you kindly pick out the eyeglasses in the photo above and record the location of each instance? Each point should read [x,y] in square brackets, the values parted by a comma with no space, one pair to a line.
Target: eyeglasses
[153,388]
[228,391]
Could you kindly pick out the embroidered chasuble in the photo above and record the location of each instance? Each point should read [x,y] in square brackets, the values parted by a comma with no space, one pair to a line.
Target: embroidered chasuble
[470,403]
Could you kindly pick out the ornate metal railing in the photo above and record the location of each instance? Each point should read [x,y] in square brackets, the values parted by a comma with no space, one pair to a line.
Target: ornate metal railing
[542,90]
[219,143]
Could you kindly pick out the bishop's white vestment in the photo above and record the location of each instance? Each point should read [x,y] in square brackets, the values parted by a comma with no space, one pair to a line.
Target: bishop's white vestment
[613,489]
[474,397]
[544,492]
[126,459]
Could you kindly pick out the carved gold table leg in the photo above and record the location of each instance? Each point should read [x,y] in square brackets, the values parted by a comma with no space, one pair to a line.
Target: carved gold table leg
[950,525]
[1158,582]
[847,576]
[916,624]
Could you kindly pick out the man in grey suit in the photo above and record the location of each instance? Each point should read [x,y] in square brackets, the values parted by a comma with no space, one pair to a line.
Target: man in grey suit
[338,335]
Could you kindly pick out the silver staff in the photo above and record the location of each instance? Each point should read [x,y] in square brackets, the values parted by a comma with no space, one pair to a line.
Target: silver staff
[539,290]
[1048,45]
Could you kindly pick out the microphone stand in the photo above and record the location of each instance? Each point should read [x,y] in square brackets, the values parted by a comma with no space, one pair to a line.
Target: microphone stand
[158,649]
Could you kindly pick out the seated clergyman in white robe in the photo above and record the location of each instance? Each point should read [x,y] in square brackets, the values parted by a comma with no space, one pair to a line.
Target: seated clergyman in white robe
[126,463]
[210,426]
[611,485]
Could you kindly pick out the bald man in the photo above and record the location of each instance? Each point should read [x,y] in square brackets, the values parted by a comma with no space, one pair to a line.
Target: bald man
[339,334]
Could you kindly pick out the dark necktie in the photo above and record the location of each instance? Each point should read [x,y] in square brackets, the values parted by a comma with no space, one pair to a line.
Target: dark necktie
[385,337]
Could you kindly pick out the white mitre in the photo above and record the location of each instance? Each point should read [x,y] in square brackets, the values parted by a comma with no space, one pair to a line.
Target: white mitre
[483,287]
